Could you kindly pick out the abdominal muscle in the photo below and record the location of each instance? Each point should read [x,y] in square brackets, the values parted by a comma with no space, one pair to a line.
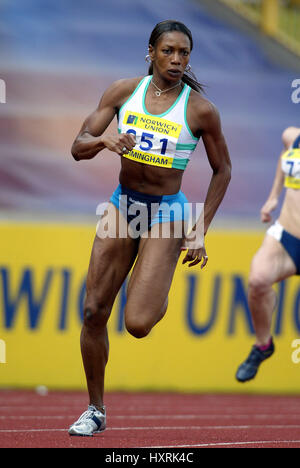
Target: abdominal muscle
[149,179]
[290,213]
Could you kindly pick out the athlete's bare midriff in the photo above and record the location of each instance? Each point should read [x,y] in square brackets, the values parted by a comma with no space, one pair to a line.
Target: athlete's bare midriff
[150,179]
[290,213]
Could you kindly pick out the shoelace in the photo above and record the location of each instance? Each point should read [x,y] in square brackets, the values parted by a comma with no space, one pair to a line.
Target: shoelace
[86,415]
[255,356]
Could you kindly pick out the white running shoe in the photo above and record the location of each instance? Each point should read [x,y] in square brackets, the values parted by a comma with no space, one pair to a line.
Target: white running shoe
[90,422]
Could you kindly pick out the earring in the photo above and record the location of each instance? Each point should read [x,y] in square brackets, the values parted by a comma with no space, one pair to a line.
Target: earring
[188,68]
[147,58]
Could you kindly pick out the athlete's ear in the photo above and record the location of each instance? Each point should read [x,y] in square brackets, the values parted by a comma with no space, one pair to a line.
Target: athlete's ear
[151,52]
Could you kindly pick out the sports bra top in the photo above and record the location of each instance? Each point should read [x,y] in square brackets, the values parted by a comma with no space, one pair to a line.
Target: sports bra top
[163,140]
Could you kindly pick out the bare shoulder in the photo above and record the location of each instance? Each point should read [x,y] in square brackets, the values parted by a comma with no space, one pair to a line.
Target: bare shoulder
[203,110]
[289,135]
[119,91]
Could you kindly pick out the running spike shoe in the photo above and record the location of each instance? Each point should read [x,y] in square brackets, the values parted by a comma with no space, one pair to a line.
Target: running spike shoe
[248,369]
[90,422]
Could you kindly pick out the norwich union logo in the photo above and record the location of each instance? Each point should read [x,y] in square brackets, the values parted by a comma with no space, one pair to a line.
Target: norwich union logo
[132,119]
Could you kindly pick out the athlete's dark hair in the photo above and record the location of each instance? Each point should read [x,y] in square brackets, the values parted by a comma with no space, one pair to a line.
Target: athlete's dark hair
[168,26]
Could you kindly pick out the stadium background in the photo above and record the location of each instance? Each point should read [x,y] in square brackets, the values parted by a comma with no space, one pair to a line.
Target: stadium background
[56,59]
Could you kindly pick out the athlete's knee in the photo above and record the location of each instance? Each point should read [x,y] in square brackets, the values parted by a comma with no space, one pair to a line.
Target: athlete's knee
[95,314]
[259,282]
[137,327]
[162,312]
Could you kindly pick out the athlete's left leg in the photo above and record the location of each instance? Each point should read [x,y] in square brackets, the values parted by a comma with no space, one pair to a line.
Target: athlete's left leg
[270,265]
[150,282]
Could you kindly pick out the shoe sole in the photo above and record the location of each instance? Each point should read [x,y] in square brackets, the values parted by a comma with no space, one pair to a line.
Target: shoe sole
[246,380]
[86,435]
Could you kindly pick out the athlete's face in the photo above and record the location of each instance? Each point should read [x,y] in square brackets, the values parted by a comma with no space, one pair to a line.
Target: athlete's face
[171,55]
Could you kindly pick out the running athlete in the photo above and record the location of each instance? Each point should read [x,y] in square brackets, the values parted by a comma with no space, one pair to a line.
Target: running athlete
[279,256]
[161,117]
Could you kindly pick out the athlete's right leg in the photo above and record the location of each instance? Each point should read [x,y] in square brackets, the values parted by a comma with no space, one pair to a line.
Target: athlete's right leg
[111,260]
[270,265]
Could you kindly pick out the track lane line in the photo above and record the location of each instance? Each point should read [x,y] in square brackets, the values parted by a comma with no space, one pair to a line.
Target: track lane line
[225,444]
[168,428]
[162,416]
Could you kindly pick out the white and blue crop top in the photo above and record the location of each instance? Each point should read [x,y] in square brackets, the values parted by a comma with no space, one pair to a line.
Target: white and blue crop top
[163,140]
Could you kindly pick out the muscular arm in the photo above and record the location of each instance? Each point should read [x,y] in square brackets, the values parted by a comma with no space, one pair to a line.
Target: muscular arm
[220,163]
[90,139]
[219,160]
[272,200]
[288,137]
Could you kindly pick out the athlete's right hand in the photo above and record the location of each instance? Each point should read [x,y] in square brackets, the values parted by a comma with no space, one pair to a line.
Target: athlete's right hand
[265,212]
[120,144]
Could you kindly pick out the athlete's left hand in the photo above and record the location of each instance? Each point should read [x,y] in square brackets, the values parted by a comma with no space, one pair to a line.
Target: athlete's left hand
[195,256]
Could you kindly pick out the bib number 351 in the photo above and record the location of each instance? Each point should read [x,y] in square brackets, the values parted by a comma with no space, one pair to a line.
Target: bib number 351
[147,141]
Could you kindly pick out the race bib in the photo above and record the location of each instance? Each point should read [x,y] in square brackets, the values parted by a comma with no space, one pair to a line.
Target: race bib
[156,138]
[290,164]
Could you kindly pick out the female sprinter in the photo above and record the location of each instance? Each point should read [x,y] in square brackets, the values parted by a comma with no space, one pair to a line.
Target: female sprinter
[279,256]
[153,160]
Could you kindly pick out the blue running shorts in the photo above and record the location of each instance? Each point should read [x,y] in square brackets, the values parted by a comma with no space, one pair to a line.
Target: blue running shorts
[151,209]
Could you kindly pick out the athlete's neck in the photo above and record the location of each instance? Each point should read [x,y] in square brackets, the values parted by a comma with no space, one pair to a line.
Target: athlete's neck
[164,84]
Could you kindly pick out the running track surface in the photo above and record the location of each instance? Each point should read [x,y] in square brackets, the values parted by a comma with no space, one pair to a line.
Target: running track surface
[155,420]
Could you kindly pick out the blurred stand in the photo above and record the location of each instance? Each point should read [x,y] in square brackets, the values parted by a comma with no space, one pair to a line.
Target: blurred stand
[57,64]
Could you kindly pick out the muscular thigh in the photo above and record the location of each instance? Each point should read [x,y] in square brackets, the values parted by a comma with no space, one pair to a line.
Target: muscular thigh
[111,260]
[152,276]
[271,263]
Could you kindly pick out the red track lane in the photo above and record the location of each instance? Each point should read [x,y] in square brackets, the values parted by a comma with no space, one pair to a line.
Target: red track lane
[160,420]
